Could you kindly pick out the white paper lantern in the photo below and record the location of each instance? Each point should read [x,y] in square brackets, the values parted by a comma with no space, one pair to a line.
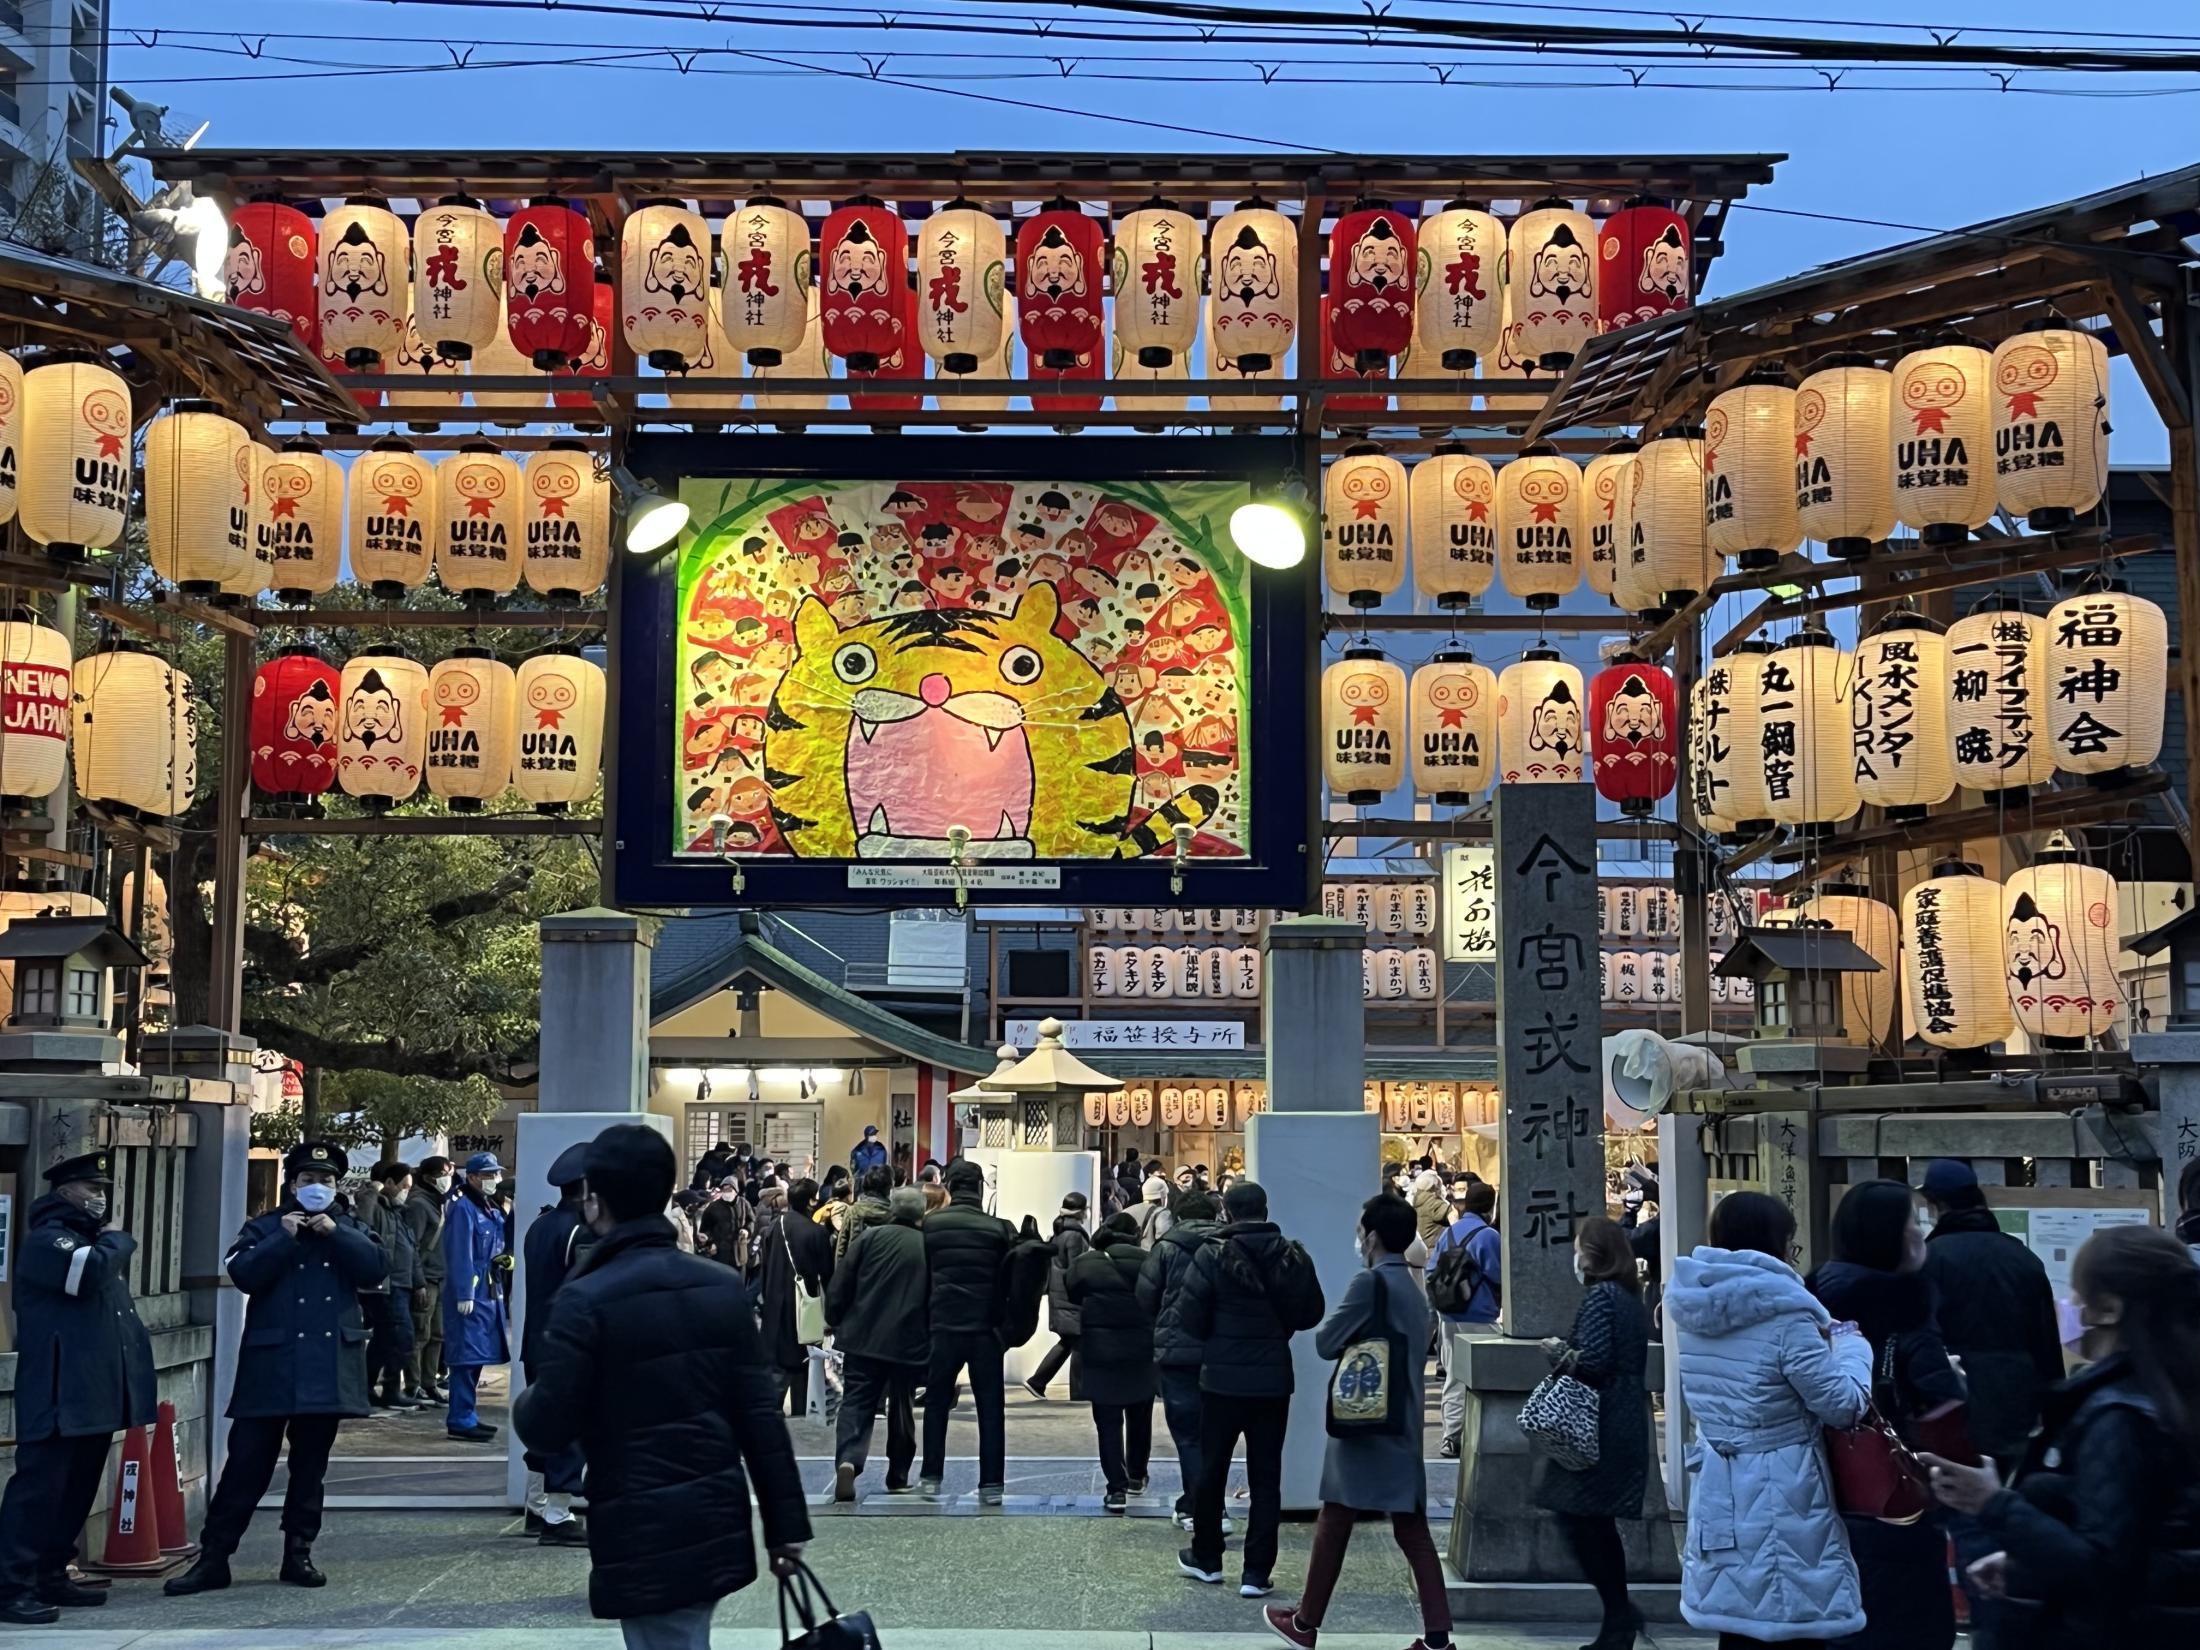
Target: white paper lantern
[1245,970]
[1359,900]
[1390,908]
[559,722]
[299,527]
[962,283]
[1844,470]
[1100,971]
[1748,473]
[391,510]
[805,360]
[567,516]
[1539,526]
[766,304]
[1130,976]
[2107,651]
[470,732]
[1803,732]
[1364,517]
[1159,268]
[2059,946]
[34,707]
[135,732]
[664,284]
[1454,727]
[1214,970]
[1159,962]
[1452,503]
[1184,975]
[1666,551]
[1606,482]
[74,493]
[11,432]
[2050,425]
[1550,276]
[1952,967]
[1540,717]
[1459,311]
[1390,974]
[249,467]
[1604,977]
[1424,975]
[479,535]
[198,519]
[458,277]
[1421,917]
[498,357]
[1997,695]
[1363,725]
[1627,978]
[1253,309]
[1709,729]
[1898,718]
[1942,439]
[1661,912]
[1867,1000]
[417,355]
[1658,984]
[382,727]
[366,257]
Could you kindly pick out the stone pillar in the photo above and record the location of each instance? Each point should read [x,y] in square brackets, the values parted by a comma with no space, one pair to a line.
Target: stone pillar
[1684,1210]
[1317,1150]
[2175,1054]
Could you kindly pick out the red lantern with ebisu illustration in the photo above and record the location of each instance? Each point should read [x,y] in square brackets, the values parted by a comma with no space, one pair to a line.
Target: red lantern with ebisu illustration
[1060,257]
[1634,733]
[273,266]
[595,360]
[1643,265]
[1371,274]
[294,717]
[550,283]
[864,256]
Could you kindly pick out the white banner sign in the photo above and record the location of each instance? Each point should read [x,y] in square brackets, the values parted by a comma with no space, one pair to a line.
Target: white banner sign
[1136,1034]
[1470,903]
[1030,878]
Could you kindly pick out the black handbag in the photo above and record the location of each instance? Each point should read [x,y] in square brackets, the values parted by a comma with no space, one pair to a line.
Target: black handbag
[823,1626]
[1366,1389]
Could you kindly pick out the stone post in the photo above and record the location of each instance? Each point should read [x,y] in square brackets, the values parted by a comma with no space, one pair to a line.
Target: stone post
[2175,1055]
[1317,1149]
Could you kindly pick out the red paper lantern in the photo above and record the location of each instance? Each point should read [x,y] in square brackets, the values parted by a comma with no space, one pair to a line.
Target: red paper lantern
[1060,257]
[1087,368]
[906,361]
[594,360]
[550,283]
[1643,265]
[1371,276]
[1341,365]
[862,307]
[273,266]
[1633,733]
[295,701]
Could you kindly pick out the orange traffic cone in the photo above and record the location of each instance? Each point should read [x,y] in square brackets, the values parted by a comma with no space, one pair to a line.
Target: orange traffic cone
[167,1484]
[133,1521]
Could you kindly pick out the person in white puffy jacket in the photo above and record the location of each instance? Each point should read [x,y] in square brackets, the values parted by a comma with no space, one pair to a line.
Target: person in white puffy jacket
[1764,1370]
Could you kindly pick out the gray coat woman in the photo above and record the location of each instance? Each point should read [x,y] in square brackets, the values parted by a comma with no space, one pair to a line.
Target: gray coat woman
[1370,1472]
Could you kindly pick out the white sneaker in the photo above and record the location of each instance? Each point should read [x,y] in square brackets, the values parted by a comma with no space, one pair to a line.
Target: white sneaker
[1183,1521]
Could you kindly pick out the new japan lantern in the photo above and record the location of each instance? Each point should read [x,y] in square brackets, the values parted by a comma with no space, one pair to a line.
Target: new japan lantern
[1941,435]
[1454,727]
[1061,255]
[559,726]
[2059,946]
[1451,498]
[664,283]
[2106,653]
[478,522]
[272,266]
[1997,696]
[458,276]
[568,522]
[1253,311]
[1844,469]
[1898,717]
[1605,485]
[1539,729]
[1643,268]
[1634,734]
[1551,274]
[34,707]
[381,727]
[1539,525]
[11,433]
[1160,271]
[1666,550]
[1363,725]
[295,699]
[1373,264]
[134,732]
[550,283]
[864,257]
[301,520]
[1460,310]
[1952,966]
[1867,1000]
[1803,732]
[1364,516]
[198,519]
[391,513]
[366,255]
[470,728]
[75,487]
[1749,472]
[765,304]
[962,286]
[2050,424]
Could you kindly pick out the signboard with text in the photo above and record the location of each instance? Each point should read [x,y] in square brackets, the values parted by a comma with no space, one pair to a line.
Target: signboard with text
[1128,1035]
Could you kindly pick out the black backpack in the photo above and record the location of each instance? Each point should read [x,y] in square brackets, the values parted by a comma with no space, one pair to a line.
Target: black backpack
[1455,1279]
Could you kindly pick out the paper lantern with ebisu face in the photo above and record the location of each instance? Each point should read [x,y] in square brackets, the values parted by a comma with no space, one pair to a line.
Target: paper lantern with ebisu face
[1898,717]
[1634,734]
[1748,473]
[458,276]
[34,706]
[1539,720]
[1643,268]
[392,516]
[272,266]
[1159,267]
[478,528]
[1372,269]
[1996,694]
[1844,471]
[1451,498]
[1867,1000]
[1454,727]
[1666,552]
[2059,946]
[1551,275]
[135,732]
[1364,518]
[962,284]
[381,726]
[1363,725]
[568,522]
[664,284]
[559,720]
[295,700]
[366,290]
[1605,484]
[1061,263]
[470,728]
[300,524]
[2107,651]
[1253,309]
[1953,983]
[198,523]
[1460,310]
[718,360]
[75,487]
[1539,525]
[550,283]
[765,303]
[863,267]
[595,361]
[1941,435]
[2050,425]
[1803,731]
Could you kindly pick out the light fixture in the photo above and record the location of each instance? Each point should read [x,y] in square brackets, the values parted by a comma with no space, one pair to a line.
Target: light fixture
[653,521]
[702,1087]
[1271,531]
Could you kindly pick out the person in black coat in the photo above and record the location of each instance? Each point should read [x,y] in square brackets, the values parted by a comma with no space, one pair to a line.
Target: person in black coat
[713,1166]
[1176,1350]
[965,1251]
[83,1372]
[557,1238]
[1071,1238]
[387,1307]
[799,1250]
[1117,1338]
[423,1212]
[876,1307]
[302,1367]
[654,1370]
[725,1230]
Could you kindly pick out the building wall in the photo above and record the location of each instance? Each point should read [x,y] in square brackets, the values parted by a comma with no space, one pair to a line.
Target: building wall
[53,93]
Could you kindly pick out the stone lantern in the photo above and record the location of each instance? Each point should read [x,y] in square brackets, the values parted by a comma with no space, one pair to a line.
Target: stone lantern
[61,971]
[1797,974]
[992,1109]
[1049,1086]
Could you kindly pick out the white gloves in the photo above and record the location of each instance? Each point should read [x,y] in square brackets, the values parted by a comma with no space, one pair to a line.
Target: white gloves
[465,1309]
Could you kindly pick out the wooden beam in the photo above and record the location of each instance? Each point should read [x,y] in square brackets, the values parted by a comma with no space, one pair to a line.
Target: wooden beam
[398,618]
[1478,829]
[2181,333]
[1352,621]
[2153,363]
[237,621]
[429,825]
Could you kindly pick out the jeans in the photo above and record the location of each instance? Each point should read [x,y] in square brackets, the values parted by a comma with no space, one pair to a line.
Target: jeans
[1455,1371]
[48,1499]
[1223,1419]
[1126,1441]
[1333,1534]
[980,1352]
[1180,1408]
[465,1381]
[687,1628]
[425,1361]
[254,1444]
[872,1384]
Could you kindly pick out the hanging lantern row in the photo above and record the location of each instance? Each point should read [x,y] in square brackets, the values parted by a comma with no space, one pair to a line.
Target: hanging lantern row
[1402,907]
[1173,971]
[125,715]
[1389,974]
[1149,919]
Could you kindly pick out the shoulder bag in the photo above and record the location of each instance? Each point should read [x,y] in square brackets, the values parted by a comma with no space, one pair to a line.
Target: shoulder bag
[1364,1395]
[809,1304]
[1875,1475]
[1562,1414]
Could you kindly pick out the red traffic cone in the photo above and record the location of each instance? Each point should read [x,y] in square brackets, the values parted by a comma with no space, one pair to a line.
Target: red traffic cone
[167,1486]
[133,1522]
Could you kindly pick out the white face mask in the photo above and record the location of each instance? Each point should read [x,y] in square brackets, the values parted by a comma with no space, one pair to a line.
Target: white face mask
[489,1185]
[315,1199]
[442,1183]
[96,1207]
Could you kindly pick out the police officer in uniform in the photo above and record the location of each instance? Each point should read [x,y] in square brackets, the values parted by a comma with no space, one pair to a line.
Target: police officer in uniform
[557,1238]
[303,1365]
[83,1372]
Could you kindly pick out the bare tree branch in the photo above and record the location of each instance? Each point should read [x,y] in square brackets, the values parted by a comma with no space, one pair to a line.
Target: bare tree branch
[274,954]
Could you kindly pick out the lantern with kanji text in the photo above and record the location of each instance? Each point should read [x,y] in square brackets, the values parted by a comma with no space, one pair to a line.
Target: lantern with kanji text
[1539,526]
[1364,518]
[2107,651]
[272,266]
[251,575]
[1941,434]
[470,728]
[1898,717]
[2050,424]
[295,709]
[1159,270]
[559,726]
[478,532]
[1952,963]
[568,522]
[198,519]
[392,517]
[1997,699]
[1373,265]
[1454,727]
[1732,785]
[1363,725]
[458,276]
[1803,732]
[962,287]
[1451,498]
[299,524]
[1461,272]
[765,304]
[550,283]
[1634,733]
[76,479]
[366,256]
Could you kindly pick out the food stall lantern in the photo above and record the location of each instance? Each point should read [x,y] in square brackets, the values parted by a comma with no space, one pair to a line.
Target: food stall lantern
[11,433]
[1666,550]
[558,725]
[2107,651]
[1800,980]
[595,361]
[1942,439]
[458,276]
[1625,977]
[1159,271]
[568,522]
[1997,683]
[765,304]
[1100,971]
[198,518]
[1539,526]
[664,283]
[1606,484]
[34,707]
[2059,945]
[1732,782]
[1748,472]
[1551,276]
[1454,727]
[75,485]
[1868,1000]
[1539,709]
[273,267]
[1363,725]
[391,513]
[381,729]
[1643,266]
[301,533]
[2050,424]
[1060,256]
[499,357]
[1898,717]
[962,287]
[1253,310]
[134,732]
[1461,270]
[295,710]
[864,260]
[1364,520]
[1844,469]
[550,283]
[1803,732]
[1634,734]
[1953,981]
[478,529]
[1451,500]
[366,254]
[470,728]
[1373,265]
[1045,1090]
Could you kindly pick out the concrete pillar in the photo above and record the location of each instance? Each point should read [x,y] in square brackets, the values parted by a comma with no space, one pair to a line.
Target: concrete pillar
[1317,1150]
[1684,1197]
[2176,1056]
[213,1213]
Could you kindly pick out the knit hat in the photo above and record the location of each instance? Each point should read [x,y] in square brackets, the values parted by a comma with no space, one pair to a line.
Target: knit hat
[1073,1203]
[1155,1190]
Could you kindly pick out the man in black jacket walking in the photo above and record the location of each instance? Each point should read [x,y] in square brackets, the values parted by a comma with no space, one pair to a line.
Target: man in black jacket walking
[876,1306]
[652,1367]
[557,1238]
[1176,1350]
[964,1248]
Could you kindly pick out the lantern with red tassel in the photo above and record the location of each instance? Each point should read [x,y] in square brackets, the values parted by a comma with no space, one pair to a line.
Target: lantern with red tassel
[1643,267]
[1060,256]
[550,283]
[595,360]
[864,253]
[1634,733]
[294,717]
[1371,274]
[273,266]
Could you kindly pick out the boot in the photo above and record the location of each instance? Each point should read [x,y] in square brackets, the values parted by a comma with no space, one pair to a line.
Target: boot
[24,1610]
[298,1567]
[209,1574]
